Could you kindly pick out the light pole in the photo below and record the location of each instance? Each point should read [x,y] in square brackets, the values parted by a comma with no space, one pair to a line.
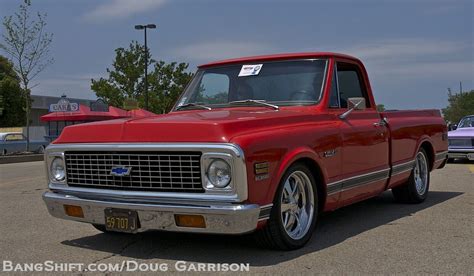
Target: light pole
[144,27]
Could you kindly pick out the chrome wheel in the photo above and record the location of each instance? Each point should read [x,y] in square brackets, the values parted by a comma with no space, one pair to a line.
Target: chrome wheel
[297,205]
[421,173]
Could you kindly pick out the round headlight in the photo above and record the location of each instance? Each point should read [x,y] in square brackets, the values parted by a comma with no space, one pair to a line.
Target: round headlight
[219,173]
[57,169]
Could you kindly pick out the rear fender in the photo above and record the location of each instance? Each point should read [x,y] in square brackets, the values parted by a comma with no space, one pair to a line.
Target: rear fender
[426,138]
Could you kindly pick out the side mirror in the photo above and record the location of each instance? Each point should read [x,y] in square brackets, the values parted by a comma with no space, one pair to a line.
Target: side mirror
[353,104]
[356,103]
[454,127]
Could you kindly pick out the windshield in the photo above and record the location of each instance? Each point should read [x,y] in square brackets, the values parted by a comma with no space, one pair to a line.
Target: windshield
[466,122]
[281,83]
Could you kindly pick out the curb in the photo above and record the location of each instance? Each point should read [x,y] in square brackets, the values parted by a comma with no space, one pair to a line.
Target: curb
[21,158]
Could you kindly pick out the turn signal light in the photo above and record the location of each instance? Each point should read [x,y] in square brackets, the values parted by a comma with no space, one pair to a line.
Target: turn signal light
[196,221]
[73,211]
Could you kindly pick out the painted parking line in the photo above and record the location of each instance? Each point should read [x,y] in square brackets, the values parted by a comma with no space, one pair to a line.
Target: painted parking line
[471,168]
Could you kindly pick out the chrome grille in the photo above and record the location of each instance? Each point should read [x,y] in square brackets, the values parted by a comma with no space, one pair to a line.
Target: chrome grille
[461,142]
[155,171]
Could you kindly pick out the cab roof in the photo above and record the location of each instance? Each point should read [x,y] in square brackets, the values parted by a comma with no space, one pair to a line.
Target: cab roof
[275,57]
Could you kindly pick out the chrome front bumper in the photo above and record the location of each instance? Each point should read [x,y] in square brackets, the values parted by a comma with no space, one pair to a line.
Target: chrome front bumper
[460,152]
[219,218]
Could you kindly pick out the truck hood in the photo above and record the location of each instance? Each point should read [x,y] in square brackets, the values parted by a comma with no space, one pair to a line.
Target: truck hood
[186,126]
[462,132]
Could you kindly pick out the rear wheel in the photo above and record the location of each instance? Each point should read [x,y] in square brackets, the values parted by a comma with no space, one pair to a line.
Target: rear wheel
[416,189]
[294,211]
[40,149]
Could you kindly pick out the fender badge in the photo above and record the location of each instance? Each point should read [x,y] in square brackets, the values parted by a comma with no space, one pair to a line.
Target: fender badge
[329,153]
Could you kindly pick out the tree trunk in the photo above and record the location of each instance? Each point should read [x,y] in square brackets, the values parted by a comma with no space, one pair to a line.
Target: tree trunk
[27,98]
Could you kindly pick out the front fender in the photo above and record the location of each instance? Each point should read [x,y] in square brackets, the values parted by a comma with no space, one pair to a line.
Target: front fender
[287,160]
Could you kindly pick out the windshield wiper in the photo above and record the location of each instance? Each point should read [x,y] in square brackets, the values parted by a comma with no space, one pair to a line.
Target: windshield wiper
[258,102]
[193,105]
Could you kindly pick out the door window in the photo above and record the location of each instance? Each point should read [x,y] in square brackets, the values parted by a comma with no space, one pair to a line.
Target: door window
[350,84]
[334,96]
[14,137]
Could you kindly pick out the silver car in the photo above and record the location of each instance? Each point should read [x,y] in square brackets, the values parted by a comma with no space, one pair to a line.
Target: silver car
[11,142]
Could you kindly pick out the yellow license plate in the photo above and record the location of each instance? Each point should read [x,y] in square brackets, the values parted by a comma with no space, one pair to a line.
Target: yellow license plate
[121,220]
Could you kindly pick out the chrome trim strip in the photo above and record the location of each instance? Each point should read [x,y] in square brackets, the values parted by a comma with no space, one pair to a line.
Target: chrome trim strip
[402,167]
[238,192]
[441,155]
[358,180]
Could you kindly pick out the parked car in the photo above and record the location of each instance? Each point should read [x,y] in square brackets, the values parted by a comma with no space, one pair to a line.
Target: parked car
[461,139]
[260,144]
[12,142]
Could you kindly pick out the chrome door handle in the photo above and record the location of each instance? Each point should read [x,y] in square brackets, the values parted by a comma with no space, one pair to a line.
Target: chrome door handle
[382,122]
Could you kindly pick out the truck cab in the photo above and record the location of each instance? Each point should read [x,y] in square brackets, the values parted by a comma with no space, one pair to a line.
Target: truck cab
[258,144]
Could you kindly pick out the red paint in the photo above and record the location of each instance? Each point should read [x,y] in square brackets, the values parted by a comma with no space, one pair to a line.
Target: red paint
[290,134]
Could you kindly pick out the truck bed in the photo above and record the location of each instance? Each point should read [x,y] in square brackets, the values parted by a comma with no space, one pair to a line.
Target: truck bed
[407,126]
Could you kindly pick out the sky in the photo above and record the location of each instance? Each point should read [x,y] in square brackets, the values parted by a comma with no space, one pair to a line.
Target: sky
[414,50]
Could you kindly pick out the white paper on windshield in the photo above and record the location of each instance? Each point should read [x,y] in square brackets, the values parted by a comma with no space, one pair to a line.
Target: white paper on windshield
[250,70]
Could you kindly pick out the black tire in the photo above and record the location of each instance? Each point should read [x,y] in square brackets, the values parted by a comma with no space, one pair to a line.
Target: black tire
[40,149]
[408,193]
[273,235]
[450,160]
[101,228]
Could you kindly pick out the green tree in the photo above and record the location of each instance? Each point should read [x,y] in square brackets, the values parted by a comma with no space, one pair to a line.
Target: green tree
[380,107]
[460,105]
[125,77]
[167,82]
[27,42]
[125,80]
[12,104]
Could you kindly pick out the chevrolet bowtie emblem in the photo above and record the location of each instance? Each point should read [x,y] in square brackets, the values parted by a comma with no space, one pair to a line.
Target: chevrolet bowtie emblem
[121,171]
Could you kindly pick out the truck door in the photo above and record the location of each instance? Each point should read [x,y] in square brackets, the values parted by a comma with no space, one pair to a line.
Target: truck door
[15,142]
[365,151]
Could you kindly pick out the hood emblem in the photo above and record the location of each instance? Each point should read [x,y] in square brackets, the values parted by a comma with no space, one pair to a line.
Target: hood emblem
[121,171]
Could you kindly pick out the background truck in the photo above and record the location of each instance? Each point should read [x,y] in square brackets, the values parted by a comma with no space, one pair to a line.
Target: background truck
[259,144]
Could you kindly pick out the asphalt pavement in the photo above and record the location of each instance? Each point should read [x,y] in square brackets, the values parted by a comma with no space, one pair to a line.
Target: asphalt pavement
[377,236]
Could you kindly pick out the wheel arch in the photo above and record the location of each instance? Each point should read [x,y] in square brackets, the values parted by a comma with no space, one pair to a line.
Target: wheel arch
[318,177]
[309,158]
[429,149]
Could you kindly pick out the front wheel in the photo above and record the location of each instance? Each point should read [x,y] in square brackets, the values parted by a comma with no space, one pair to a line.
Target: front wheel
[416,189]
[294,213]
[100,227]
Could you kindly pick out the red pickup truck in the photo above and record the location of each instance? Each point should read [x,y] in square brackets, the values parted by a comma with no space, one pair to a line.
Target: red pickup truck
[260,144]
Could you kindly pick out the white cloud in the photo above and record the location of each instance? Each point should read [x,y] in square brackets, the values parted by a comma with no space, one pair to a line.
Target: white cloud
[74,86]
[208,51]
[414,58]
[404,48]
[117,9]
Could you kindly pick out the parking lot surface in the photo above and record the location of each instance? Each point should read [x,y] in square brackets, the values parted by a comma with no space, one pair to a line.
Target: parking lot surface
[375,236]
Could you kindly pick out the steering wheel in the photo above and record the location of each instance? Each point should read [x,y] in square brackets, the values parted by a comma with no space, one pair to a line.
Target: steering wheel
[302,95]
